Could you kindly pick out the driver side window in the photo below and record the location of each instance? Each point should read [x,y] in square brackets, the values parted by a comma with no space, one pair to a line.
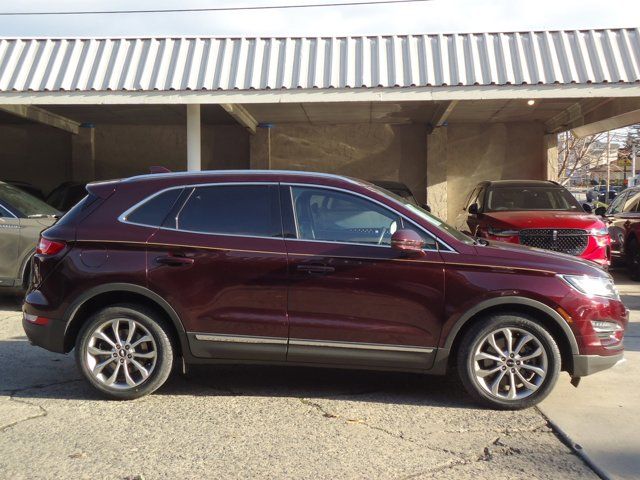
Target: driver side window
[333,216]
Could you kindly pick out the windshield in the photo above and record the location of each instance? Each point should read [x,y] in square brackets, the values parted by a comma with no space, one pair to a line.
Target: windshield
[25,203]
[423,214]
[500,199]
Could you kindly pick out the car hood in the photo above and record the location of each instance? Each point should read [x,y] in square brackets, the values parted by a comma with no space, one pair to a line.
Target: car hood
[542,219]
[520,256]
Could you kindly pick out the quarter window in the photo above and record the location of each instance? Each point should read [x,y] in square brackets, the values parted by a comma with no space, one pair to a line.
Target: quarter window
[333,216]
[154,211]
[249,210]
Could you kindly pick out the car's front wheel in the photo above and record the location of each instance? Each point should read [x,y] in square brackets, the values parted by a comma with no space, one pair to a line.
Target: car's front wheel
[125,351]
[508,361]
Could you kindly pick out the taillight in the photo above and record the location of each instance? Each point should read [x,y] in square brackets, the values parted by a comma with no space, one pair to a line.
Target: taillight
[49,247]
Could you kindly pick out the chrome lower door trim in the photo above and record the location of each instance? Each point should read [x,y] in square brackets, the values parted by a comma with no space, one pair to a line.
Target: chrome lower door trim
[241,339]
[360,346]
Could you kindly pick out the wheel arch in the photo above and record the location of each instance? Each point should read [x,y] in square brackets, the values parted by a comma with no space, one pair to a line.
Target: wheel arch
[547,316]
[109,294]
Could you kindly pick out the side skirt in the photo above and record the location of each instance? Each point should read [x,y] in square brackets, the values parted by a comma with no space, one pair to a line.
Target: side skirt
[215,348]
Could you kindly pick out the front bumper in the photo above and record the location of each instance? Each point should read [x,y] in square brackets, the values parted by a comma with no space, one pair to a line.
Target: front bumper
[584,365]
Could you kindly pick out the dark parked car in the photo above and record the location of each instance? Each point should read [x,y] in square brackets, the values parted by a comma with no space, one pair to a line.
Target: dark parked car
[623,220]
[66,195]
[538,214]
[293,268]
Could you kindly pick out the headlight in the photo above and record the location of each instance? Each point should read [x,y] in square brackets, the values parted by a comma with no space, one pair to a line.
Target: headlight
[599,231]
[592,286]
[499,232]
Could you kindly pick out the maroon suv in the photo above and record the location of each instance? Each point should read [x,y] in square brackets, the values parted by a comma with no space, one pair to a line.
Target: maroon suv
[307,269]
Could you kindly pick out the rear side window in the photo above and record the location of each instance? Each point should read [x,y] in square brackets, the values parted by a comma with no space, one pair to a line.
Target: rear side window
[154,211]
[248,210]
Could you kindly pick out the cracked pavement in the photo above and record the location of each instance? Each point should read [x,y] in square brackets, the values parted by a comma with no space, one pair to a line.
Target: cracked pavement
[247,422]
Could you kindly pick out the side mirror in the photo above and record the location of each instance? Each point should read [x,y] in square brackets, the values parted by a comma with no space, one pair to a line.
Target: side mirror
[600,211]
[587,208]
[426,207]
[407,241]
[473,209]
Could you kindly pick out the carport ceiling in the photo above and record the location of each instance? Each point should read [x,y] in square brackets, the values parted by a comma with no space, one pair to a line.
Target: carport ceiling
[468,111]
[408,112]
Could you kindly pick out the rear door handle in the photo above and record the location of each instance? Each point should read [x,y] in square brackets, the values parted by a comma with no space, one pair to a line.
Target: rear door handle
[174,260]
[315,268]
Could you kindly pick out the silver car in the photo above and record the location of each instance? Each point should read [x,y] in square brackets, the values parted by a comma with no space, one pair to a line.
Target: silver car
[22,218]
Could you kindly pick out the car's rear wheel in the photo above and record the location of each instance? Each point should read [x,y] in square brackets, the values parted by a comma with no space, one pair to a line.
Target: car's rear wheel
[508,361]
[633,259]
[125,351]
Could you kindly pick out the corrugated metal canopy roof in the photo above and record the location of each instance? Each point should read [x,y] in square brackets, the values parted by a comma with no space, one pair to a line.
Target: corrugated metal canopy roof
[198,63]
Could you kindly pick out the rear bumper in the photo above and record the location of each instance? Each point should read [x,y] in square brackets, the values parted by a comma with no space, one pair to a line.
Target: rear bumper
[584,365]
[49,336]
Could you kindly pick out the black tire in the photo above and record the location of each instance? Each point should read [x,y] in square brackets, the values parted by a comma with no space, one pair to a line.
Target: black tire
[145,319]
[474,337]
[633,259]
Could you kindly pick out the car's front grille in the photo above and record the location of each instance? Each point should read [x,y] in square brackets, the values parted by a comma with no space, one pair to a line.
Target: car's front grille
[565,240]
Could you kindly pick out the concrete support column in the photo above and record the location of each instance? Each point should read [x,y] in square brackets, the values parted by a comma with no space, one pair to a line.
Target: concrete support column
[194,154]
[83,154]
[437,149]
[260,149]
[550,156]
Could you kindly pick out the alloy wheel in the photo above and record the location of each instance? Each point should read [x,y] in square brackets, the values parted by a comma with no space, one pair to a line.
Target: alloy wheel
[510,363]
[121,354]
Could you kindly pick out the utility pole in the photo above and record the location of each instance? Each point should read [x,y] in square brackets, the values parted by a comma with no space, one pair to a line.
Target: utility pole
[633,159]
[606,195]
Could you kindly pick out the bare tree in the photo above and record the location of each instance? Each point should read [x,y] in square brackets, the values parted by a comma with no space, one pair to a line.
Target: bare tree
[578,154]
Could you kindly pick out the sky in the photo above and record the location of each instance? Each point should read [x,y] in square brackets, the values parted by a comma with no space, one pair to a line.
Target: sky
[435,16]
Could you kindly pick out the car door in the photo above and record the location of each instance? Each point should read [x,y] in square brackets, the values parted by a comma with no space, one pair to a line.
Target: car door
[620,216]
[220,261]
[353,300]
[9,245]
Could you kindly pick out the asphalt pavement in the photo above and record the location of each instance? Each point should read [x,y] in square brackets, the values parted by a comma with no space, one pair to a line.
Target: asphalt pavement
[248,422]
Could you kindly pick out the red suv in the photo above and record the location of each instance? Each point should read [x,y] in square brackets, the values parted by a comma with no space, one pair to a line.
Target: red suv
[540,214]
[307,269]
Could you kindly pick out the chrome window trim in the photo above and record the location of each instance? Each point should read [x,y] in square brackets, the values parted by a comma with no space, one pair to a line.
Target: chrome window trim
[123,217]
[386,207]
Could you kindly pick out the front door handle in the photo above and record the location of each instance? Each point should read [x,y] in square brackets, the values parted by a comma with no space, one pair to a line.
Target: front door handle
[174,260]
[315,268]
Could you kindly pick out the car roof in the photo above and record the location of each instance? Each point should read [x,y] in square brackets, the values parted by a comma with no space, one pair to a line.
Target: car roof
[520,183]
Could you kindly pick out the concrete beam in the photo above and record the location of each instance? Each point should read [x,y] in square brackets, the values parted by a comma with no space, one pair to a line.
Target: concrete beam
[442,112]
[40,115]
[574,115]
[241,115]
[614,114]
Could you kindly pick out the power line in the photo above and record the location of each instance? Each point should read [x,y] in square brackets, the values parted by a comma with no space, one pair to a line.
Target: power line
[214,9]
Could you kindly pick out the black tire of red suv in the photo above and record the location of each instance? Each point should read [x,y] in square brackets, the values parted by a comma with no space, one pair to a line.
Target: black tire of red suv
[520,323]
[147,323]
[633,259]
